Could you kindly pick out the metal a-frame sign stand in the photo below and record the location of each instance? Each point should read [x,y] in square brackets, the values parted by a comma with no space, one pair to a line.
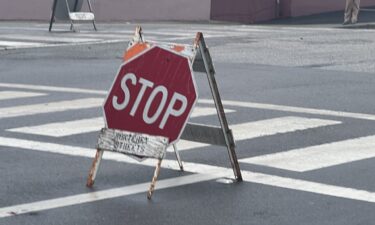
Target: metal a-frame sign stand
[215,135]
[72,13]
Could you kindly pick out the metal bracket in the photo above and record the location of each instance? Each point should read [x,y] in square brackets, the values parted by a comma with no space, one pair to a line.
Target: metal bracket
[200,44]
[72,14]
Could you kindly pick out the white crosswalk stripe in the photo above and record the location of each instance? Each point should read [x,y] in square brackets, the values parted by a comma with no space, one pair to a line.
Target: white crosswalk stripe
[20,44]
[26,110]
[16,41]
[47,39]
[5,95]
[241,132]
[246,131]
[277,126]
[67,128]
[320,156]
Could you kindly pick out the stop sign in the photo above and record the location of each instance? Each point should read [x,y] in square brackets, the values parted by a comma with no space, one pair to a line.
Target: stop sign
[153,93]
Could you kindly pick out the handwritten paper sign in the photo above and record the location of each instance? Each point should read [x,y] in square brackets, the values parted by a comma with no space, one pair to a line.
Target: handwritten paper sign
[133,144]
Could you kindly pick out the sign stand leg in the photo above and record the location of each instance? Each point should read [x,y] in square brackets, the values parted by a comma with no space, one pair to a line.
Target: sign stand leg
[52,15]
[75,6]
[153,182]
[74,10]
[90,8]
[94,168]
[178,157]
[210,71]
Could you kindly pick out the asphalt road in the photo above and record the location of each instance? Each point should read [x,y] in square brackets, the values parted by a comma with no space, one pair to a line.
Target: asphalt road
[300,101]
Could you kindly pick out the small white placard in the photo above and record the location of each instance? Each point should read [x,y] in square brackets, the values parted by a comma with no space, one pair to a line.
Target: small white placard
[133,144]
[81,16]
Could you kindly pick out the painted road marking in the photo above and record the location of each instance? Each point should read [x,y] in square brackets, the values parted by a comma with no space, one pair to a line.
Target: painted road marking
[111,36]
[241,132]
[6,95]
[182,145]
[67,128]
[52,88]
[20,44]
[320,156]
[277,126]
[246,131]
[205,173]
[15,41]
[309,186]
[255,105]
[272,180]
[23,41]
[22,28]
[106,194]
[50,107]
[126,35]
[43,39]
[293,109]
[62,129]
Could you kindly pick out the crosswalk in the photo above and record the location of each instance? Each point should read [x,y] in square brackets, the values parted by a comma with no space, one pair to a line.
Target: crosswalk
[36,36]
[66,128]
[299,160]
[313,157]
[19,41]
[40,38]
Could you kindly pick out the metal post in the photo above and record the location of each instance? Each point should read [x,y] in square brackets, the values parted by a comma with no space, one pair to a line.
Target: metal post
[178,157]
[199,42]
[67,6]
[75,6]
[52,15]
[74,10]
[138,36]
[68,9]
[90,8]
[154,178]
[94,168]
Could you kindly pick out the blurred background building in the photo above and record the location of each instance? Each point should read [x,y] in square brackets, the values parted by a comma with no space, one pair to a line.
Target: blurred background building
[243,11]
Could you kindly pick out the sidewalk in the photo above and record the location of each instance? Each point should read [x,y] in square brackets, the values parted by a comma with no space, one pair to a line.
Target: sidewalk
[366,20]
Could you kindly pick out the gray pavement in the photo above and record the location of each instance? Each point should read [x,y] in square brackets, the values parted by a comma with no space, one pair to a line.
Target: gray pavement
[366,19]
[316,41]
[308,88]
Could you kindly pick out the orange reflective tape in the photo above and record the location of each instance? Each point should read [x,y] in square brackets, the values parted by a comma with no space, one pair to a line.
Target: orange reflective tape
[178,48]
[134,50]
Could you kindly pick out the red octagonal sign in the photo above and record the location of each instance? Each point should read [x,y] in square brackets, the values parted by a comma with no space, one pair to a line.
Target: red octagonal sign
[153,93]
